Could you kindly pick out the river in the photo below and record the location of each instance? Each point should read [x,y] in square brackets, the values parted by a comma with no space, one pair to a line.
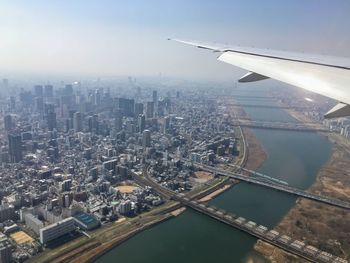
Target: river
[295,157]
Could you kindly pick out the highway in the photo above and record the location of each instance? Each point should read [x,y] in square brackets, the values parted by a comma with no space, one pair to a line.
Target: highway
[276,186]
[265,106]
[272,125]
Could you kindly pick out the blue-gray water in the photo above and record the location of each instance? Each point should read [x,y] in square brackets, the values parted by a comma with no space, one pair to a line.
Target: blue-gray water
[295,157]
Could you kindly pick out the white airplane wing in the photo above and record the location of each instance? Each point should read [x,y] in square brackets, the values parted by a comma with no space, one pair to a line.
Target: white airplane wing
[325,75]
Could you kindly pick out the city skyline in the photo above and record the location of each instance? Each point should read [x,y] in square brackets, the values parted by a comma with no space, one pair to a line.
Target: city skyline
[174,131]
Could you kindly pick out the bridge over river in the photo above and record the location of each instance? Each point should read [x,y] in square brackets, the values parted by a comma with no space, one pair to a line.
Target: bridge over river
[270,236]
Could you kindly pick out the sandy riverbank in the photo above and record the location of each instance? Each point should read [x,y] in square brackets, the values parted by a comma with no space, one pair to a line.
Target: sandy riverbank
[215,193]
[256,152]
[320,225]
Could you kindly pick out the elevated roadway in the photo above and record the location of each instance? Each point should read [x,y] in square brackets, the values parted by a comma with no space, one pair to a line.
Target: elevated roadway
[276,186]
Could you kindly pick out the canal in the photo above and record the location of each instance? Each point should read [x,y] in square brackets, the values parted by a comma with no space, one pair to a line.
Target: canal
[295,157]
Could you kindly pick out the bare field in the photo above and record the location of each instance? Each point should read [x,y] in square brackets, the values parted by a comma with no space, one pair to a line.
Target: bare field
[21,237]
[126,188]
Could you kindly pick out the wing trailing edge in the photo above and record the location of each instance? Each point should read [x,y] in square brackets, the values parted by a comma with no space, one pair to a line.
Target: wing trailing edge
[339,110]
[325,75]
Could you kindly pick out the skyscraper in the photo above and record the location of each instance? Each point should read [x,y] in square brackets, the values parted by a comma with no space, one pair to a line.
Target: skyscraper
[8,122]
[142,123]
[165,124]
[77,122]
[38,91]
[12,103]
[146,138]
[138,109]
[48,91]
[93,123]
[15,147]
[51,120]
[150,110]
[155,102]
[68,90]
[97,101]
[126,106]
[118,120]
[39,104]
[155,96]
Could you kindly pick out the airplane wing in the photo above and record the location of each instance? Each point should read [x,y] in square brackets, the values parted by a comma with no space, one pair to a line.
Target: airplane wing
[325,75]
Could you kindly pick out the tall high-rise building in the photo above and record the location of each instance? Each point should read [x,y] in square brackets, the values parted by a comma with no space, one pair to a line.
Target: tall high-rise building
[150,110]
[118,122]
[8,122]
[68,90]
[39,104]
[12,103]
[138,109]
[155,101]
[51,120]
[126,106]
[141,123]
[146,138]
[15,147]
[155,97]
[165,124]
[93,123]
[97,101]
[38,91]
[77,122]
[48,91]
[138,92]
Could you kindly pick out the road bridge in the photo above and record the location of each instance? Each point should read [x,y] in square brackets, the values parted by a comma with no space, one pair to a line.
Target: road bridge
[276,186]
[240,105]
[274,125]
[253,97]
[272,237]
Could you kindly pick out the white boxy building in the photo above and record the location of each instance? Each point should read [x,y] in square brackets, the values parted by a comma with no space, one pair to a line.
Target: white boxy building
[56,230]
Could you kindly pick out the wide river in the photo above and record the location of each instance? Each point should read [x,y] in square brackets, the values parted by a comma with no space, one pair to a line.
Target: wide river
[295,157]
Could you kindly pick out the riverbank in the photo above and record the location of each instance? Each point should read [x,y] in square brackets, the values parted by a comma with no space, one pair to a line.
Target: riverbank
[255,154]
[320,225]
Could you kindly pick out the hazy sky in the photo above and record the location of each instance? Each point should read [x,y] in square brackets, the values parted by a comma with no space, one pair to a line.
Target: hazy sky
[109,38]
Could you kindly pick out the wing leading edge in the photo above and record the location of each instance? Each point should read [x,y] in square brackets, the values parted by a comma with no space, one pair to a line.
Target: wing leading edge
[325,75]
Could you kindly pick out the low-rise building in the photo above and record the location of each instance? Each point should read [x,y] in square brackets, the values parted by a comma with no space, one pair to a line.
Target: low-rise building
[86,221]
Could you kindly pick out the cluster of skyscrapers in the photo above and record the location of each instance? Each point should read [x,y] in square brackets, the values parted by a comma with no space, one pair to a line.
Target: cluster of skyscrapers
[68,151]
